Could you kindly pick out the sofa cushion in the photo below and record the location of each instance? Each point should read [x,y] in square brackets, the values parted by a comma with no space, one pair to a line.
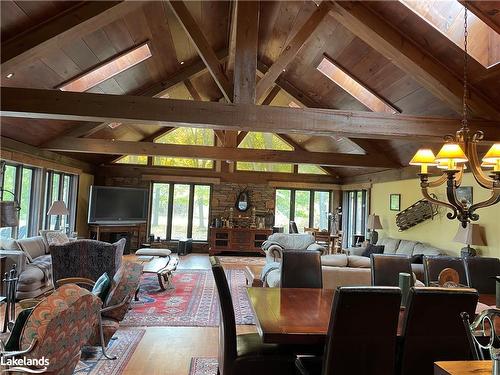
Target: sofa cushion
[406,247]
[43,233]
[8,244]
[33,247]
[57,238]
[358,261]
[334,260]
[390,244]
[421,248]
[31,275]
[372,249]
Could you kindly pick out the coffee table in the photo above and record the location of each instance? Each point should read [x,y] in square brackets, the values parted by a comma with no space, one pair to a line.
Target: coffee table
[161,266]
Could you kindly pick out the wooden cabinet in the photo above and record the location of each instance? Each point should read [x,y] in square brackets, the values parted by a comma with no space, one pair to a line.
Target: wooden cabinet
[237,239]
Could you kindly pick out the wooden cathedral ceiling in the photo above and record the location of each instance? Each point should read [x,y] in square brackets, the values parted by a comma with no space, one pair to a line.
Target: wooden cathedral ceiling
[383,44]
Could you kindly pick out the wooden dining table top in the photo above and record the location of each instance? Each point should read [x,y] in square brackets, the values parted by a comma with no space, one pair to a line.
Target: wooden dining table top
[300,316]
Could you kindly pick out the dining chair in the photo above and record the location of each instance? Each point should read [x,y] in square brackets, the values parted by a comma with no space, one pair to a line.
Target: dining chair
[292,227]
[433,265]
[358,343]
[481,272]
[301,269]
[323,238]
[244,354]
[433,328]
[387,267]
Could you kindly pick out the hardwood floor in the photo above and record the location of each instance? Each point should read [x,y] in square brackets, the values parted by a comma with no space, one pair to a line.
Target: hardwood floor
[168,350]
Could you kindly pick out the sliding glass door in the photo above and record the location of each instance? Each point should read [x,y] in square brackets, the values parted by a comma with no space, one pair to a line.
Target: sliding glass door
[354,210]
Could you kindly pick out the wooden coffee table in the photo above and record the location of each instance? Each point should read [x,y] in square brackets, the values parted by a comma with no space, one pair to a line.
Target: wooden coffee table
[161,266]
[252,274]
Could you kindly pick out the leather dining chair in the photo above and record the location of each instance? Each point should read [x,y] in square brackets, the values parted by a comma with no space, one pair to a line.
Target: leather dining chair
[433,328]
[481,272]
[355,344]
[387,267]
[301,269]
[433,265]
[244,354]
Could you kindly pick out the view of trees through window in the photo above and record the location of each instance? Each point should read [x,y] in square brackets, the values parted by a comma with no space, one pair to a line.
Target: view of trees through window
[264,141]
[354,215]
[180,211]
[308,208]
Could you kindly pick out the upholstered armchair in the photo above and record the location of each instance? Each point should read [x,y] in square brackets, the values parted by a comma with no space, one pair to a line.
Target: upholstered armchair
[57,328]
[279,242]
[86,258]
[116,303]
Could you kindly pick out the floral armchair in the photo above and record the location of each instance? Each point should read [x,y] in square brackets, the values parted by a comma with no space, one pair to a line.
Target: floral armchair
[57,328]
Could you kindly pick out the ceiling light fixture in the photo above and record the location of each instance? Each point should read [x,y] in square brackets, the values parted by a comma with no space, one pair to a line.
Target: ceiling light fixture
[459,149]
[182,62]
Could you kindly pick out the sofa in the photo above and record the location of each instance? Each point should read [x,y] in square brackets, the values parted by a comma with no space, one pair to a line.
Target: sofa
[277,242]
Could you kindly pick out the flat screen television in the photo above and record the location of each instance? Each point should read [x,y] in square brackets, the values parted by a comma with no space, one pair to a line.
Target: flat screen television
[117,205]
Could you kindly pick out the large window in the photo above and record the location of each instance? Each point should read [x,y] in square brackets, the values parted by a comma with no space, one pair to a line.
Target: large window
[180,211]
[17,184]
[308,208]
[354,210]
[60,187]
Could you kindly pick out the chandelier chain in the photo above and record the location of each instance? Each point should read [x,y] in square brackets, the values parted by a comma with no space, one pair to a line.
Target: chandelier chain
[464,101]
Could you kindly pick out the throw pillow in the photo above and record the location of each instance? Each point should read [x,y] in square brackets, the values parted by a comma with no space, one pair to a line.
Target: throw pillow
[417,259]
[43,233]
[12,343]
[32,247]
[57,238]
[101,286]
[373,249]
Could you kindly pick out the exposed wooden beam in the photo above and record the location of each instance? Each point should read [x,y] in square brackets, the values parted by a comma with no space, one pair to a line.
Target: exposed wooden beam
[107,146]
[192,90]
[492,19]
[291,50]
[409,57]
[241,137]
[245,66]
[232,39]
[79,20]
[54,104]
[271,95]
[201,45]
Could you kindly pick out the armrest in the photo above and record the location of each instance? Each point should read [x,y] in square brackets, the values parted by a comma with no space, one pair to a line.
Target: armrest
[317,247]
[75,280]
[6,354]
[28,303]
[118,305]
[275,251]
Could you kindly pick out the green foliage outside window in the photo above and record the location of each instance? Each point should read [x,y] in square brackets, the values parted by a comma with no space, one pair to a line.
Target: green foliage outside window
[310,169]
[133,159]
[264,141]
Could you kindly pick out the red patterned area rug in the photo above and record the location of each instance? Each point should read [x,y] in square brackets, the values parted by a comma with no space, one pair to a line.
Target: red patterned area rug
[203,366]
[192,301]
[123,345]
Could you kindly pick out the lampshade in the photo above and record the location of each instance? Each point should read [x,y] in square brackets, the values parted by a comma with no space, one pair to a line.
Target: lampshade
[453,152]
[374,222]
[444,165]
[470,235]
[58,208]
[423,156]
[493,156]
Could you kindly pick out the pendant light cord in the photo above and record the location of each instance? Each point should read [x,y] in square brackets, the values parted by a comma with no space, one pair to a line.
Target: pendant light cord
[466,33]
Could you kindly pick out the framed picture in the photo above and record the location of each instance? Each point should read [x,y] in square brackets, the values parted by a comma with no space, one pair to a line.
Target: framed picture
[395,202]
[465,193]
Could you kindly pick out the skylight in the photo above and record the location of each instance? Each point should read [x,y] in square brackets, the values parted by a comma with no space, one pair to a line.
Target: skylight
[353,87]
[108,70]
[447,16]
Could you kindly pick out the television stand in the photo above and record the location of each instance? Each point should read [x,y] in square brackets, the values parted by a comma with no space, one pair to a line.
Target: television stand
[136,233]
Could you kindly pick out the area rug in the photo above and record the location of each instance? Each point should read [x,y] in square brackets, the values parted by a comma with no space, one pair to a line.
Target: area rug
[243,261]
[192,301]
[203,366]
[123,345]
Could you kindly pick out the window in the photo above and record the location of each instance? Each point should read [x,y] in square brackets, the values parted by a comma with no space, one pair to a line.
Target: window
[186,136]
[308,208]
[310,169]
[18,184]
[354,215]
[60,187]
[180,211]
[264,141]
[133,159]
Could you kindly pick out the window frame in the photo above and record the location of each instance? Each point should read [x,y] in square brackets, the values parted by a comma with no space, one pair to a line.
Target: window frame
[349,225]
[170,209]
[48,199]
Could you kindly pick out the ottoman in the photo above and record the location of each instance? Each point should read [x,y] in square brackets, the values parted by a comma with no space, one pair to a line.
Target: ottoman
[148,251]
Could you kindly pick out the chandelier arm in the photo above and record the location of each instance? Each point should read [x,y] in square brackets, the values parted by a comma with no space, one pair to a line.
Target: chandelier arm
[438,182]
[475,165]
[493,199]
[450,215]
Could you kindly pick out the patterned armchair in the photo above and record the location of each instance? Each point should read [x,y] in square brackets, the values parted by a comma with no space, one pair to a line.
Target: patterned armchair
[86,258]
[57,329]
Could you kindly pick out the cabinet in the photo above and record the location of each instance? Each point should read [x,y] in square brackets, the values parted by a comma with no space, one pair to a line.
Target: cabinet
[237,239]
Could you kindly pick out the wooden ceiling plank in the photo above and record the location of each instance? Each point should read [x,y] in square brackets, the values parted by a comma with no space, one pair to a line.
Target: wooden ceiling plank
[106,146]
[202,46]
[488,19]
[71,24]
[291,50]
[245,61]
[405,54]
[54,104]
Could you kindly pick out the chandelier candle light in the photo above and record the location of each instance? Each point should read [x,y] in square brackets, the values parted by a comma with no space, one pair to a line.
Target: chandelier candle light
[459,149]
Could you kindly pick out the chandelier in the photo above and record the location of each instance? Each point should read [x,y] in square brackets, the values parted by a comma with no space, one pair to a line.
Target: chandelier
[458,152]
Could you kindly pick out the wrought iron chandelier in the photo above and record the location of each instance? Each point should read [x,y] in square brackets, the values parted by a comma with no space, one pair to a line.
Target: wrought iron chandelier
[460,149]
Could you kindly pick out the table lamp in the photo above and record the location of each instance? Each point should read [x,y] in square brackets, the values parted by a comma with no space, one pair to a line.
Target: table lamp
[373,224]
[58,209]
[470,235]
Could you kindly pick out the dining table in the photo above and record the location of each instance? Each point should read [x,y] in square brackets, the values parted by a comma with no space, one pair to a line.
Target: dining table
[301,315]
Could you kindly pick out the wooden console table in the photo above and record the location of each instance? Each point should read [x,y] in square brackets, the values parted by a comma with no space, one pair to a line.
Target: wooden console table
[136,232]
[237,239]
